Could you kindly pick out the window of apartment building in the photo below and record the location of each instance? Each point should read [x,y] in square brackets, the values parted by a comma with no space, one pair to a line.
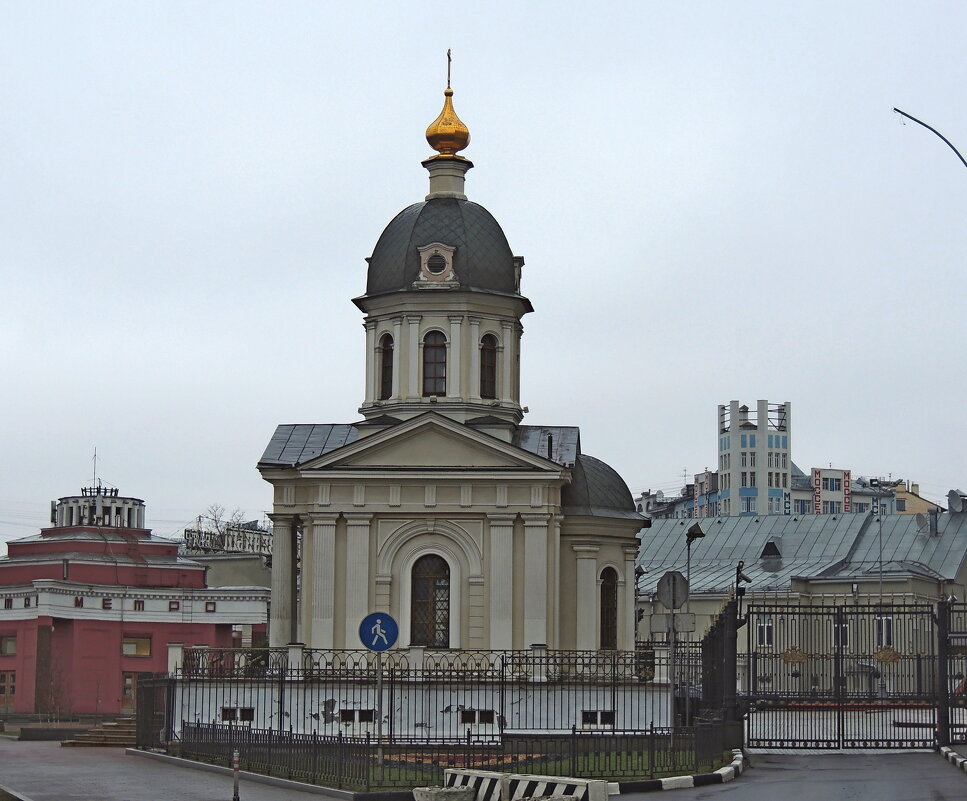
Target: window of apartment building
[860,508]
[78,601]
[8,603]
[752,478]
[107,603]
[901,504]
[743,459]
[884,630]
[27,602]
[174,606]
[744,479]
[785,480]
[749,505]
[763,633]
[210,606]
[744,441]
[785,460]
[751,440]
[136,646]
[727,507]
[8,646]
[472,717]
[751,458]
[832,507]
[139,605]
[597,717]
[833,484]
[803,507]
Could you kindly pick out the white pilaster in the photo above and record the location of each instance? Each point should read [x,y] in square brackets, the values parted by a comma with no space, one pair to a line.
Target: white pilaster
[357,575]
[283,583]
[474,358]
[501,582]
[397,348]
[535,587]
[454,375]
[506,390]
[586,625]
[371,360]
[321,627]
[626,601]
[414,351]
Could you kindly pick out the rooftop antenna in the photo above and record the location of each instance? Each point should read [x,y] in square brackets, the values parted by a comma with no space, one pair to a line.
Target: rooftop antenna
[95,465]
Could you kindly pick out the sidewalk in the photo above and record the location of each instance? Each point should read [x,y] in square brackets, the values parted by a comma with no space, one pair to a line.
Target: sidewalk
[44,771]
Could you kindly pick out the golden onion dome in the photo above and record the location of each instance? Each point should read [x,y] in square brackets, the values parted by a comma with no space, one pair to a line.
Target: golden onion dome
[447,134]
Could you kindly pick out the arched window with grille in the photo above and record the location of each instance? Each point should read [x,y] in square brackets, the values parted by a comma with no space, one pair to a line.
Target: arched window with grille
[488,366]
[434,364]
[609,609]
[385,367]
[430,602]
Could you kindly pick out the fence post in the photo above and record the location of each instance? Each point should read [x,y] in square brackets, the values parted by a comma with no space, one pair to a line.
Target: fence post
[943,673]
[574,738]
[729,656]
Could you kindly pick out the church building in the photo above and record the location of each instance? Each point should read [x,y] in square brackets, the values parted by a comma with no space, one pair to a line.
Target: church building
[440,506]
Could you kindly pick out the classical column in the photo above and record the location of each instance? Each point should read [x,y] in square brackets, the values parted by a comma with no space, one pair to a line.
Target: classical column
[475,358]
[535,585]
[413,353]
[627,601]
[397,349]
[506,393]
[501,582]
[357,575]
[283,581]
[586,623]
[454,376]
[321,628]
[370,326]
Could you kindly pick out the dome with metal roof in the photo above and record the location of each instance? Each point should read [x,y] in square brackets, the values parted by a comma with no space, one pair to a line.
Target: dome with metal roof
[597,490]
[482,259]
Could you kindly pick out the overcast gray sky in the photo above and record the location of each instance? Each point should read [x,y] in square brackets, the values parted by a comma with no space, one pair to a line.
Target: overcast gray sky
[714,201]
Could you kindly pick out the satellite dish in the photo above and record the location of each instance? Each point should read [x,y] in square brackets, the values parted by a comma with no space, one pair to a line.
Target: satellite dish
[922,523]
[955,499]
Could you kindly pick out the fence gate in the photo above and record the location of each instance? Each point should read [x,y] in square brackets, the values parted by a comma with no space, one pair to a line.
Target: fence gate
[853,676]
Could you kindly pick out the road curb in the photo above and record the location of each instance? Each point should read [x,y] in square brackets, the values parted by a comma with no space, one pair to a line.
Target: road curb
[954,758]
[720,776]
[15,793]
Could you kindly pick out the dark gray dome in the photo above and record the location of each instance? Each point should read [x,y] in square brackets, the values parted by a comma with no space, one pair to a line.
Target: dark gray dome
[597,489]
[483,259]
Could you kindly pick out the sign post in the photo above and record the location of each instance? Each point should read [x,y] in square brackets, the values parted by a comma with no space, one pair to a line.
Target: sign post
[235,761]
[379,632]
[672,592]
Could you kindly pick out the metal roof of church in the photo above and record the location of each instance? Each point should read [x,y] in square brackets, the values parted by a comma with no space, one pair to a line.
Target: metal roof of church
[810,546]
[482,260]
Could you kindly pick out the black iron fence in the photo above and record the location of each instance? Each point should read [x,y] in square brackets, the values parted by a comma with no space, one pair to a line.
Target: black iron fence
[355,719]
[364,763]
[855,676]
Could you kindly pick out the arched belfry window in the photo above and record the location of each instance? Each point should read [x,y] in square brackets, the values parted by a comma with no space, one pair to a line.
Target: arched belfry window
[430,602]
[385,367]
[434,364]
[609,609]
[488,366]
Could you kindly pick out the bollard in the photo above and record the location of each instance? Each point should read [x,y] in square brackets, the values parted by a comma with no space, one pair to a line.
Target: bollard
[235,761]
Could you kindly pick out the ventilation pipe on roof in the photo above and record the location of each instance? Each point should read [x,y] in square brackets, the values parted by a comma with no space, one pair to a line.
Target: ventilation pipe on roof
[934,515]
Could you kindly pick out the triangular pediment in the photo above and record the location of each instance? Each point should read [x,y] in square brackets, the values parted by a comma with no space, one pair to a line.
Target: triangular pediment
[431,441]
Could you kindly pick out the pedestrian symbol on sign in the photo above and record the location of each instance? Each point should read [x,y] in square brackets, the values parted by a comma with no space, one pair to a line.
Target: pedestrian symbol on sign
[378,631]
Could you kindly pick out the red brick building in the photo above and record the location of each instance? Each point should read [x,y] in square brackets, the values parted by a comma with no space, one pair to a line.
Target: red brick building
[91,603]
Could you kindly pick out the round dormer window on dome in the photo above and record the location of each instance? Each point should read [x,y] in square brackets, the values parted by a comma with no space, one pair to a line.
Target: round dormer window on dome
[436,265]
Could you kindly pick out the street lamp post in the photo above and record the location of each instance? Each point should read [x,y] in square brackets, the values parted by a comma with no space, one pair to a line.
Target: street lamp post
[694,532]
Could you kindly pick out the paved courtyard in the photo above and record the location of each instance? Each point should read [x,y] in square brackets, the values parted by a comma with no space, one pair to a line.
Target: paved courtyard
[47,772]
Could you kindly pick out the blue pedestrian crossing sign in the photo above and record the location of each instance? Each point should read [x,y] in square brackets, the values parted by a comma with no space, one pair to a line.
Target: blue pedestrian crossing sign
[379,631]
